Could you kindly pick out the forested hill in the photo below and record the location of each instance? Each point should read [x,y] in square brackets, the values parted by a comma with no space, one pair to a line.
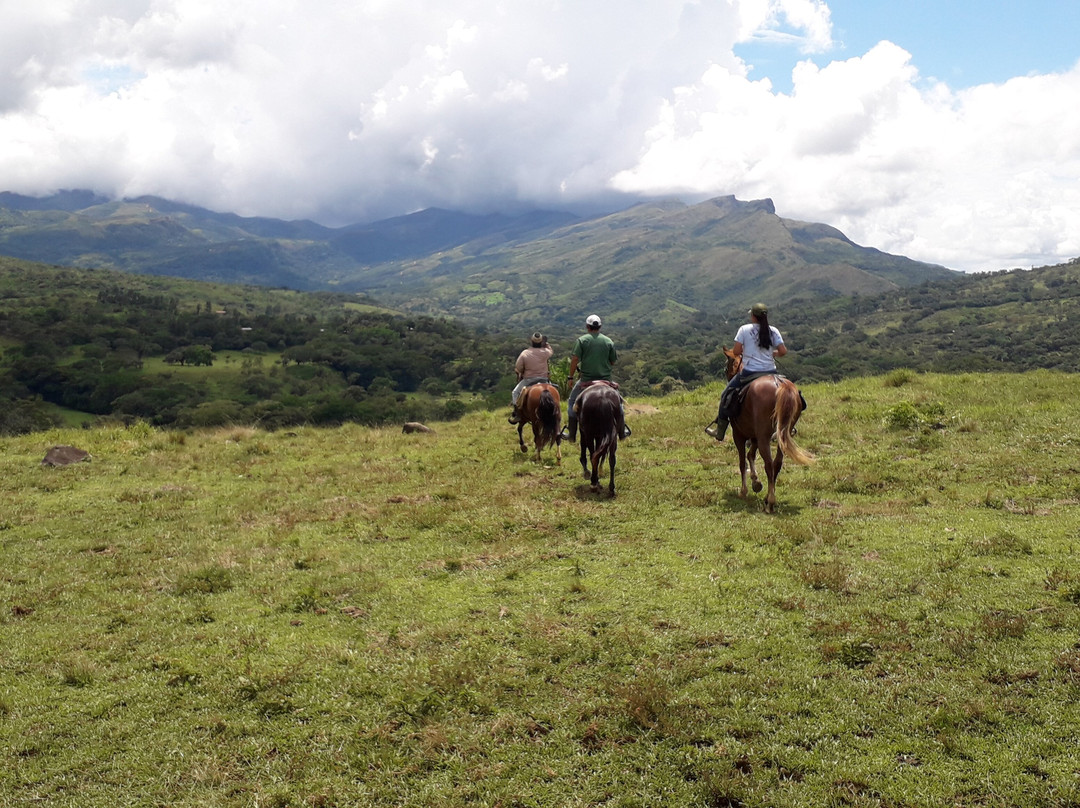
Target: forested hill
[1005,321]
[176,352]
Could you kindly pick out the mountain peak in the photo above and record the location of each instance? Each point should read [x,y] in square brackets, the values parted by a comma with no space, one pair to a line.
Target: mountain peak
[729,204]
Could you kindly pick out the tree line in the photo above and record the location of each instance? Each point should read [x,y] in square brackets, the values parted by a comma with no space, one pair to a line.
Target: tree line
[77,347]
[118,346]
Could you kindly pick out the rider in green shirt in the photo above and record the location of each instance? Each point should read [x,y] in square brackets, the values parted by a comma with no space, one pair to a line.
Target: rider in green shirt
[594,354]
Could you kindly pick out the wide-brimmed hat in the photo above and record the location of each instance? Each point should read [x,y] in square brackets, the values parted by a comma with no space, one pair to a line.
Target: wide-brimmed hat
[537,338]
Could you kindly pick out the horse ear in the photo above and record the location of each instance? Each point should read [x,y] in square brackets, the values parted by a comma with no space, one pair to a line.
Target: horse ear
[727,353]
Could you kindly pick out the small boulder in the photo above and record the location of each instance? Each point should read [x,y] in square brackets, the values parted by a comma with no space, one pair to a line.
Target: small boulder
[64,456]
[413,426]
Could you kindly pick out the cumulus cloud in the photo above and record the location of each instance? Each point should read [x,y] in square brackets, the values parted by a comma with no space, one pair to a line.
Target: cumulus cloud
[352,110]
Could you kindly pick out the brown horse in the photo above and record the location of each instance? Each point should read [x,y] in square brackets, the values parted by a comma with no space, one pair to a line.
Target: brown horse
[600,421]
[771,407]
[540,406]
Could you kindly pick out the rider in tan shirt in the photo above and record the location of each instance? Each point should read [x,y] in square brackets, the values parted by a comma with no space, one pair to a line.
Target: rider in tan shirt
[531,367]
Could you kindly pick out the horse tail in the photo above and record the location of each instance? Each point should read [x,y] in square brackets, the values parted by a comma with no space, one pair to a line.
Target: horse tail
[548,412]
[604,421]
[609,440]
[788,409]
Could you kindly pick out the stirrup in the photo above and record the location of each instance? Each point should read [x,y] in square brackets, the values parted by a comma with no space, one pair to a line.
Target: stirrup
[710,430]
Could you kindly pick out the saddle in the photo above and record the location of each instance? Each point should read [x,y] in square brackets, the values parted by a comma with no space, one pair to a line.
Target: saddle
[608,382]
[593,383]
[736,398]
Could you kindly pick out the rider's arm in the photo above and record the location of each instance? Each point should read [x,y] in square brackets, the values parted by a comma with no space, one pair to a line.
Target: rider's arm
[573,368]
[781,349]
[737,348]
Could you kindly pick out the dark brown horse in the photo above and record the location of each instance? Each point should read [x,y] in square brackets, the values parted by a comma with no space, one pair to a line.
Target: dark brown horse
[540,406]
[771,407]
[600,421]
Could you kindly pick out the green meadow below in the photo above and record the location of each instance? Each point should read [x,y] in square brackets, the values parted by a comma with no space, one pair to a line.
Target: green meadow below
[356,616]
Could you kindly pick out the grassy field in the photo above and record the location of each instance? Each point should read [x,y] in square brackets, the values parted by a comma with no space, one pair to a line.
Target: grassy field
[356,617]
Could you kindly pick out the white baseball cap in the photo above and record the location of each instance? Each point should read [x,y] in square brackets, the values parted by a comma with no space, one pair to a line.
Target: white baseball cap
[593,320]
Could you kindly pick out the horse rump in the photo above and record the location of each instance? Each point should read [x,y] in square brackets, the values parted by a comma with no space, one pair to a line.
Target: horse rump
[549,415]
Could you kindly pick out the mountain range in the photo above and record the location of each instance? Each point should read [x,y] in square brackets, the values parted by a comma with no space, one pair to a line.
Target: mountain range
[653,264]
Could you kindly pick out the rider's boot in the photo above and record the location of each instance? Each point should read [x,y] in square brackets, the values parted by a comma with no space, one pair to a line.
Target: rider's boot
[515,417]
[570,430]
[719,430]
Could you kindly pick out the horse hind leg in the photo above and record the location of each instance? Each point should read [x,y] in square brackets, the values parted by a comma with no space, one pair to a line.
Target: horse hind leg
[741,444]
[596,461]
[772,469]
[755,483]
[521,438]
[611,463]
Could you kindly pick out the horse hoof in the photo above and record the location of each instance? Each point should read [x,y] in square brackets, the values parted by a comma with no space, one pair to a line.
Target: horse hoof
[757,487]
[524,449]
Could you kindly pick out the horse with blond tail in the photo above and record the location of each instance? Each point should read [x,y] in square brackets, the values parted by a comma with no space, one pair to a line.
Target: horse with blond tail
[771,408]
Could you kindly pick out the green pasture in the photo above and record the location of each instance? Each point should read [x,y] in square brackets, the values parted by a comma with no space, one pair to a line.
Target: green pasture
[362,617]
[226,367]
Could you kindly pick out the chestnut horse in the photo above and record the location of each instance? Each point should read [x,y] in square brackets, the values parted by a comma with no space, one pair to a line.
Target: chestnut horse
[771,407]
[600,421]
[539,405]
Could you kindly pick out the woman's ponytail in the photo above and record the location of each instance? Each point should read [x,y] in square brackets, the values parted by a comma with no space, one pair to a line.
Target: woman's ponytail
[764,336]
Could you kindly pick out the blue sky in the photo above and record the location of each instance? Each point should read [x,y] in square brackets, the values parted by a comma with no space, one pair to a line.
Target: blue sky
[960,42]
[945,131]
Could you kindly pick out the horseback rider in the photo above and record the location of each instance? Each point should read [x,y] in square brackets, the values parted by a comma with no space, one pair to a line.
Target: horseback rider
[531,368]
[594,353]
[758,343]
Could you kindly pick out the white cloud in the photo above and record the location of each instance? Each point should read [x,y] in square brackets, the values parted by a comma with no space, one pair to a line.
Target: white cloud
[348,110]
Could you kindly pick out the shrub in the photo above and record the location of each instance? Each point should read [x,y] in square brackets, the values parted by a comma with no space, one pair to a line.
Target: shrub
[902,416]
[899,377]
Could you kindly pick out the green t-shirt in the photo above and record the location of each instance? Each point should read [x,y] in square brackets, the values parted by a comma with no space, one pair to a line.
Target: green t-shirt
[596,354]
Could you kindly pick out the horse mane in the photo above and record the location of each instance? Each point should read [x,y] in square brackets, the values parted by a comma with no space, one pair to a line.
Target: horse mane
[734,363]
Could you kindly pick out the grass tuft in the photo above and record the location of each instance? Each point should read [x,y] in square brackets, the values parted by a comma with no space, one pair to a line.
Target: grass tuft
[205,581]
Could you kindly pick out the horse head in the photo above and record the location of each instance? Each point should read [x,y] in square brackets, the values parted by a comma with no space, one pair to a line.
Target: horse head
[734,363]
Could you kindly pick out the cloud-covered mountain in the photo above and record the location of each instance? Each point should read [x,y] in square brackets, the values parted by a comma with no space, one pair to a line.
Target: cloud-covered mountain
[650,264]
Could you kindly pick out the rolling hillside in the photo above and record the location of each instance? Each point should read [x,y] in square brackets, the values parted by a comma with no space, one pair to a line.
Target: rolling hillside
[650,265]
